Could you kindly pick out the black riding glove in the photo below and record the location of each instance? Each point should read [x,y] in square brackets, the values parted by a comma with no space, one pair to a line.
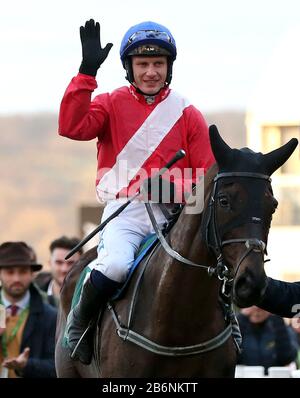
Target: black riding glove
[159,190]
[93,55]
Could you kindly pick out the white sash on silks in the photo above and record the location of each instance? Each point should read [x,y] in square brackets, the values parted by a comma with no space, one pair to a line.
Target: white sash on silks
[141,145]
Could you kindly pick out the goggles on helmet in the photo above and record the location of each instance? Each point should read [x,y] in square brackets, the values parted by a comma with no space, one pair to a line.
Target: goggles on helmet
[149,49]
[150,34]
[150,41]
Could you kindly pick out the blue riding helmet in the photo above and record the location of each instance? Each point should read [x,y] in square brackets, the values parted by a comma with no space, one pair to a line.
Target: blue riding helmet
[147,38]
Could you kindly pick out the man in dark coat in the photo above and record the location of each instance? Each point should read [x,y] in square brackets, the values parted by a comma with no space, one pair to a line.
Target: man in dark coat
[27,345]
[267,340]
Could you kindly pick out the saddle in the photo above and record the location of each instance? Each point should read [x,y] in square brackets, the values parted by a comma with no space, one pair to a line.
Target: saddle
[147,245]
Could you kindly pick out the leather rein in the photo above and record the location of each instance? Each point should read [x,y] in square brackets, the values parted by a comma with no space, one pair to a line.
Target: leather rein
[220,271]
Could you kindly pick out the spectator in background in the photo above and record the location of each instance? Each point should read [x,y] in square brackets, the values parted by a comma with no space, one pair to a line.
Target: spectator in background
[267,340]
[2,319]
[295,325]
[51,282]
[27,344]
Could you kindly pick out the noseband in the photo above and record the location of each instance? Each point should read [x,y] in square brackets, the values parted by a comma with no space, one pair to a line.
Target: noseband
[214,240]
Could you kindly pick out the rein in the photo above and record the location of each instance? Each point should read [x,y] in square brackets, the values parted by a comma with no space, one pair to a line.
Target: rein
[220,271]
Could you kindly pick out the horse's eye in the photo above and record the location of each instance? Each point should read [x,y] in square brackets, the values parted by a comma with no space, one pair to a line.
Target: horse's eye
[223,200]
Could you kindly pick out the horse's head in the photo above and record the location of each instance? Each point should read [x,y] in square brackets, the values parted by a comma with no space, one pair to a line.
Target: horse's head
[240,214]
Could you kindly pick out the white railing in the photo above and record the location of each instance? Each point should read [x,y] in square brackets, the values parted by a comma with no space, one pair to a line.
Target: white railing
[243,371]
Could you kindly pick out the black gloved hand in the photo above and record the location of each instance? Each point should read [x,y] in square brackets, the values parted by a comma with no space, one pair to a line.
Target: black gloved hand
[159,190]
[93,55]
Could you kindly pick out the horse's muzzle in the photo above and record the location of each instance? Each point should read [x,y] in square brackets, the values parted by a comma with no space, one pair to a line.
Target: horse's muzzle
[248,288]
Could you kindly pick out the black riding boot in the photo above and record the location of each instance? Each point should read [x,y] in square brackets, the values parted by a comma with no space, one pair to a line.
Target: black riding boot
[91,300]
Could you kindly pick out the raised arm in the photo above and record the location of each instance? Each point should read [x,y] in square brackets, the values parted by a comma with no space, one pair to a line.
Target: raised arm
[79,117]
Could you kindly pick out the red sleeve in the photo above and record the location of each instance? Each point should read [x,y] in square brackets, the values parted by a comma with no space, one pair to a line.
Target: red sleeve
[199,154]
[79,117]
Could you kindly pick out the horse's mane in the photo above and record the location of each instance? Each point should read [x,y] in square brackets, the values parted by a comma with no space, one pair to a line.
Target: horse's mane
[208,182]
[209,176]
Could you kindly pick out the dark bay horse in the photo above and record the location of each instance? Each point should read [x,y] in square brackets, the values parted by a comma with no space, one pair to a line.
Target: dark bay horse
[174,320]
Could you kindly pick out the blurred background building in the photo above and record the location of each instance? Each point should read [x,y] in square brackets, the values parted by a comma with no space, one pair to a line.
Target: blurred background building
[273,118]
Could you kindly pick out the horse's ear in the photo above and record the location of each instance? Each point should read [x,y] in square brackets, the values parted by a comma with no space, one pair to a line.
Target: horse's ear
[273,160]
[218,145]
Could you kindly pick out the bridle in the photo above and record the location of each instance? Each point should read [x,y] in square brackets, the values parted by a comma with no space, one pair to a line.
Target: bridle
[215,242]
[212,237]
[221,271]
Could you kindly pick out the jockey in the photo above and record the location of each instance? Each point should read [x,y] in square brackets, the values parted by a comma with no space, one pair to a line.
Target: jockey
[138,129]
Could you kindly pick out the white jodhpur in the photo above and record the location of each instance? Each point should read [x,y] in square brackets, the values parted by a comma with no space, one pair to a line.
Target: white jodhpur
[121,238]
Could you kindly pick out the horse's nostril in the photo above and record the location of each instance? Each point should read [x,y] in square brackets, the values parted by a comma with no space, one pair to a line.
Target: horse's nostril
[243,285]
[247,290]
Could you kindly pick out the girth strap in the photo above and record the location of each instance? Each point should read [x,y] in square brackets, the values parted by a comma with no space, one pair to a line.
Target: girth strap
[141,341]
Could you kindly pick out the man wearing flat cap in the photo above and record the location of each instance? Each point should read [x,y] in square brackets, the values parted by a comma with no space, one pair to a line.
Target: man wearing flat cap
[27,344]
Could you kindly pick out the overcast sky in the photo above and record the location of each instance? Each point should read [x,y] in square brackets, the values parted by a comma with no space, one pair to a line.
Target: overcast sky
[223,46]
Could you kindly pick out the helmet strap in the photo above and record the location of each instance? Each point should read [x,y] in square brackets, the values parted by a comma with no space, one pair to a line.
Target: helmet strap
[169,71]
[129,70]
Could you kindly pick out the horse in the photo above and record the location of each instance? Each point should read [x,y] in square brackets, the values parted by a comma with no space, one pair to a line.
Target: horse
[175,318]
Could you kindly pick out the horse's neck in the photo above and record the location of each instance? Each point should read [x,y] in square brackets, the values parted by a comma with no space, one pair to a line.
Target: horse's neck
[179,285]
[186,236]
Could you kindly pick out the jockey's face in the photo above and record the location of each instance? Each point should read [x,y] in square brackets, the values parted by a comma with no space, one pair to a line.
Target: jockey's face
[149,73]
[59,266]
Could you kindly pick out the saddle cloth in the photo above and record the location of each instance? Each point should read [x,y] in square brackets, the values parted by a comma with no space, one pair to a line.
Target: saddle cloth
[147,244]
